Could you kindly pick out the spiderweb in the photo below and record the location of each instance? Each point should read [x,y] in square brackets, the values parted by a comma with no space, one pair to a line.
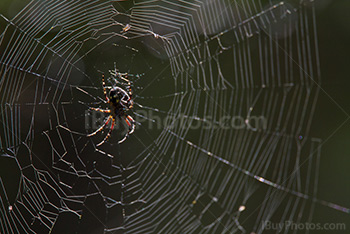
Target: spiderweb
[196,68]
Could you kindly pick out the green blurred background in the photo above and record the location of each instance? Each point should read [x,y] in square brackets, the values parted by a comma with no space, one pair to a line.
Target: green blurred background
[331,121]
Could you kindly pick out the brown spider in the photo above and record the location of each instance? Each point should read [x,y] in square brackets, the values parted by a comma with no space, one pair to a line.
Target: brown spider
[120,102]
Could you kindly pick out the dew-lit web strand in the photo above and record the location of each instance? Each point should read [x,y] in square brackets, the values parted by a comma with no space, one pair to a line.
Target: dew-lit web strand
[35,197]
[226,161]
[23,31]
[323,202]
[115,202]
[152,190]
[263,180]
[35,200]
[36,73]
[212,196]
[12,134]
[165,144]
[252,19]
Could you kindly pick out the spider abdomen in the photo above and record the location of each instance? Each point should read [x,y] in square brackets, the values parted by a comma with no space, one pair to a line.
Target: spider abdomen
[120,101]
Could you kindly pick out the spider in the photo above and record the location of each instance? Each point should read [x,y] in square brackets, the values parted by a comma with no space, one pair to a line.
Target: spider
[120,101]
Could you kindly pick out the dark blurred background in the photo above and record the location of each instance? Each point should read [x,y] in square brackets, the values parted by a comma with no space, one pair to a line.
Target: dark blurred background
[331,121]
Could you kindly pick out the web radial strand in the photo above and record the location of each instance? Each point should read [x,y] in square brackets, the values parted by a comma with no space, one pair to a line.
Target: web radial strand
[235,152]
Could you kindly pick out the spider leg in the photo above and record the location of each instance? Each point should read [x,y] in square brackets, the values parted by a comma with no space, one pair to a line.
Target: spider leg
[130,93]
[131,103]
[129,85]
[100,128]
[124,138]
[130,122]
[100,110]
[104,87]
[109,133]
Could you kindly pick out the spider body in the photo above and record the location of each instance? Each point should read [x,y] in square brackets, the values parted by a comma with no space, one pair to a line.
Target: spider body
[120,101]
